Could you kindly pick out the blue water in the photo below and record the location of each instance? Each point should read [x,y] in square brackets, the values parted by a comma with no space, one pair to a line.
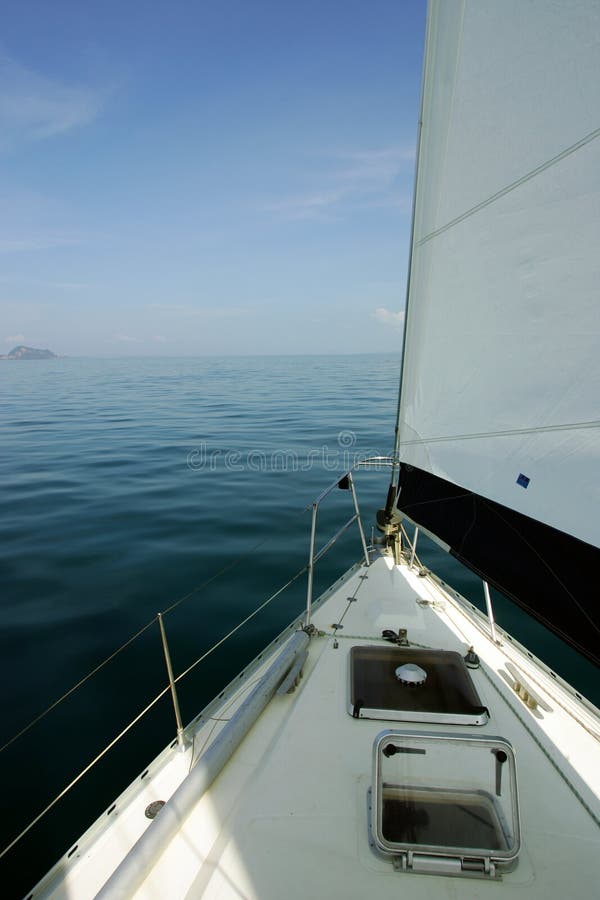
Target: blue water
[125,485]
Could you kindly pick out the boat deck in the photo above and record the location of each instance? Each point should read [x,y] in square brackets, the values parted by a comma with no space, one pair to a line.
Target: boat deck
[288,816]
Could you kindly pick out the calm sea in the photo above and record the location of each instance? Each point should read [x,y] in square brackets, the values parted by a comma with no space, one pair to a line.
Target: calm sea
[127,484]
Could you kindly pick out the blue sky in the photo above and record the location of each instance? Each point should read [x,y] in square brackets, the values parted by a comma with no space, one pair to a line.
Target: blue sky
[207,177]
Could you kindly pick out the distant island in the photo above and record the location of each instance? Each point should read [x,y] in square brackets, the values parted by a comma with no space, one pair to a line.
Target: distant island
[22,352]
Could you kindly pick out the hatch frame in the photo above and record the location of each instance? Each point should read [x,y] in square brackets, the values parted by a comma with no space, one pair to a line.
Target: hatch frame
[470,862]
[477,716]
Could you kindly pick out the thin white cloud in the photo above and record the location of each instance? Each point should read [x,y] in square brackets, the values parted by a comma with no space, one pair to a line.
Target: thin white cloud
[308,206]
[401,202]
[34,106]
[389,318]
[353,179]
[373,167]
[14,339]
[159,339]
[120,338]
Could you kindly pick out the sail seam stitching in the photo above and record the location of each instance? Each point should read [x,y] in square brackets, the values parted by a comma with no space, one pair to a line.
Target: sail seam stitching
[509,432]
[511,187]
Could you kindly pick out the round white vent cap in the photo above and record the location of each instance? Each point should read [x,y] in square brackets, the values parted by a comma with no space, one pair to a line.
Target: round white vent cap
[411,674]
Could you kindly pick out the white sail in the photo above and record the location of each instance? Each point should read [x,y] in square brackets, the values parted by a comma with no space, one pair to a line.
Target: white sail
[501,373]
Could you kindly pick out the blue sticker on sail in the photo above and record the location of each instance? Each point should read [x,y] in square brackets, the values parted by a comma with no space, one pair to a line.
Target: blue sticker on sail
[523,480]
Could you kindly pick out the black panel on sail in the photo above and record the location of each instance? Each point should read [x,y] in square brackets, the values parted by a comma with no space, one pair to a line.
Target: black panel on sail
[542,569]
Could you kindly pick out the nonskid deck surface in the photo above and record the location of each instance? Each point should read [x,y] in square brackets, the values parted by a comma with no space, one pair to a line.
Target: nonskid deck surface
[288,815]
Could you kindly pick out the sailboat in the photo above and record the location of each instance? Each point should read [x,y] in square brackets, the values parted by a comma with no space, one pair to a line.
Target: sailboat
[394,740]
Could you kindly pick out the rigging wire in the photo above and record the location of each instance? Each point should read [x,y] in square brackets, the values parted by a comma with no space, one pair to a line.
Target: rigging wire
[165,690]
[79,684]
[242,623]
[78,777]
[138,634]
[146,709]
[228,567]
[231,565]
[195,755]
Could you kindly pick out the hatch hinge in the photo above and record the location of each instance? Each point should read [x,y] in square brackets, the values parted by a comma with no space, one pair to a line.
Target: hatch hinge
[430,864]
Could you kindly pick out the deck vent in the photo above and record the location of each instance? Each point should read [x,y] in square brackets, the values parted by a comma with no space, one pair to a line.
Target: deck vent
[411,675]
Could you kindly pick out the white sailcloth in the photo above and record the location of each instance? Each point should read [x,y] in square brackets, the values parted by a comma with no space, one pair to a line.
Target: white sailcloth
[501,374]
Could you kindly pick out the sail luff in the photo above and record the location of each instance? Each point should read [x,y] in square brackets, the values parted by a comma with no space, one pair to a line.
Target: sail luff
[397,431]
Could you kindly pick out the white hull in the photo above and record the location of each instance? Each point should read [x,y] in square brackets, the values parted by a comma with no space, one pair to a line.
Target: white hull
[288,814]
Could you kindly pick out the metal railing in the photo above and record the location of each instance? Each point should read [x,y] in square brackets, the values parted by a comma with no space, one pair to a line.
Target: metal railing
[486,588]
[171,686]
[345,481]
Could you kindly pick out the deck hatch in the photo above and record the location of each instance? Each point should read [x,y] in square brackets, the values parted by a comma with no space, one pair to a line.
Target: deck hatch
[445,803]
[445,695]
